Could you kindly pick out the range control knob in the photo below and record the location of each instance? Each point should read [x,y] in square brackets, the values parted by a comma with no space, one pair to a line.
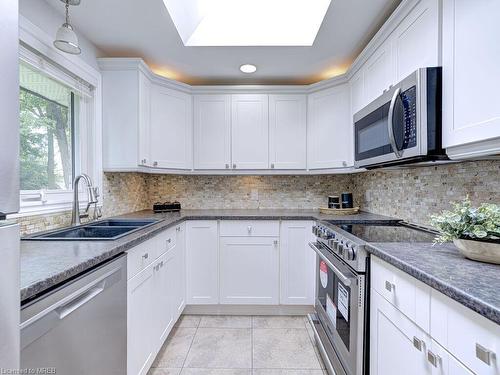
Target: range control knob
[340,248]
[351,253]
[331,243]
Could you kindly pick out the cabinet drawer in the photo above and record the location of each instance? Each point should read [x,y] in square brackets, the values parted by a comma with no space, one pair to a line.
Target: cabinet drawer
[166,240]
[406,293]
[471,338]
[140,256]
[242,228]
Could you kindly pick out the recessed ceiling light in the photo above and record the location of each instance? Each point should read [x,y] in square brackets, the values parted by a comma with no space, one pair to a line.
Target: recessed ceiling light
[248,68]
[244,23]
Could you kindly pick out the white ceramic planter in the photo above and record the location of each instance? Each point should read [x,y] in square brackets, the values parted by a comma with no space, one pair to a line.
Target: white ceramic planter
[479,250]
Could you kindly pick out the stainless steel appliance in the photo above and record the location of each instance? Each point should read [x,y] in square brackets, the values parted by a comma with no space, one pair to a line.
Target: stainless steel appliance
[340,322]
[403,125]
[9,186]
[80,328]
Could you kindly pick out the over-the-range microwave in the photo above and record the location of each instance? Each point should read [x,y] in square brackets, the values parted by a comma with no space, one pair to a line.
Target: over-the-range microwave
[403,125]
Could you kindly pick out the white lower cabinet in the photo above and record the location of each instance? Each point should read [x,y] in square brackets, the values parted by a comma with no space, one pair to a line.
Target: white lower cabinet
[155,296]
[164,281]
[202,262]
[392,349]
[139,322]
[457,340]
[297,263]
[179,271]
[249,270]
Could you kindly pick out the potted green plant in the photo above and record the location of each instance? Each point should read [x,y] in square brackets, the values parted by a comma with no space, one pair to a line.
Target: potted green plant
[475,231]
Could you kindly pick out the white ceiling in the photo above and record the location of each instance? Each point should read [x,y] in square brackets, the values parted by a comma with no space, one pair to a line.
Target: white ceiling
[143,28]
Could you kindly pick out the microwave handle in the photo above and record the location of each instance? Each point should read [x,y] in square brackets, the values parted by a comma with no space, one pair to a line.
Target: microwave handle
[390,127]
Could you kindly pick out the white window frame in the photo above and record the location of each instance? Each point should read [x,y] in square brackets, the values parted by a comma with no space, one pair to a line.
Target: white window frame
[36,49]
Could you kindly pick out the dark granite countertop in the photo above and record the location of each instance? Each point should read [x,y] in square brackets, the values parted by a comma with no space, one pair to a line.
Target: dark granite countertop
[473,284]
[47,264]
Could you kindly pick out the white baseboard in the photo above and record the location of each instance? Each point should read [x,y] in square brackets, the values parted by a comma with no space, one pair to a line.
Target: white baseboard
[248,309]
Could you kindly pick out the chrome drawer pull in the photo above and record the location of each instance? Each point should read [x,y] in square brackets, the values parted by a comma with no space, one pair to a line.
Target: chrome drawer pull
[389,286]
[484,354]
[417,343]
[145,255]
[433,359]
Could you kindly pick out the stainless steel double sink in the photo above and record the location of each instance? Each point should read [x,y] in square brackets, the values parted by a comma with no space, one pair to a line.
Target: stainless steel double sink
[104,230]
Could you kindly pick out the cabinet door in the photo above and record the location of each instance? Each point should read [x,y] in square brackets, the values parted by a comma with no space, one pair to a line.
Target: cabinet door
[179,271]
[378,72]
[287,131]
[163,297]
[297,263]
[392,335]
[416,39]
[144,119]
[329,132]
[443,363]
[202,262]
[250,131]
[212,131]
[140,322]
[171,129]
[358,99]
[249,270]
[471,74]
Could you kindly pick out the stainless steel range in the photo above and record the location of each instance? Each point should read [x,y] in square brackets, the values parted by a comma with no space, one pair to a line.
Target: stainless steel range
[341,319]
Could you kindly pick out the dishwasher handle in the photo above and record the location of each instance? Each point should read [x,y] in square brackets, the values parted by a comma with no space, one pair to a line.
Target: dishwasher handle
[38,325]
[79,301]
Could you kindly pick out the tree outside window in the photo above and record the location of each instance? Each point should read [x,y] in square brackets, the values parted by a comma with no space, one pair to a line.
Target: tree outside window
[47,128]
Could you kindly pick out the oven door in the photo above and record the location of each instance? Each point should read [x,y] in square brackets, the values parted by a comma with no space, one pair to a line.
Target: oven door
[340,308]
[389,128]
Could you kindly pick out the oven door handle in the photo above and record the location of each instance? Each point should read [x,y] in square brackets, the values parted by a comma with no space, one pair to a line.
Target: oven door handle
[339,273]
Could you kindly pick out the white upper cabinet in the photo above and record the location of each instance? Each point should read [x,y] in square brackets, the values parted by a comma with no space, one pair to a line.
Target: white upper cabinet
[378,72]
[120,118]
[250,131]
[212,131]
[416,40]
[287,131]
[471,76]
[144,119]
[357,85]
[329,129]
[171,129]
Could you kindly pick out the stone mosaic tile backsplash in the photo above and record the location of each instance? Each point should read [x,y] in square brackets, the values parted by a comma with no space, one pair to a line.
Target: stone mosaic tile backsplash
[411,193]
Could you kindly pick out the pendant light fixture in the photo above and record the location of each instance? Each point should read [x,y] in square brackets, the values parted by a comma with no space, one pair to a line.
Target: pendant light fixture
[66,39]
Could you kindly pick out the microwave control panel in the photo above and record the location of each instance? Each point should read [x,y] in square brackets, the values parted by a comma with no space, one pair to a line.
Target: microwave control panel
[409,100]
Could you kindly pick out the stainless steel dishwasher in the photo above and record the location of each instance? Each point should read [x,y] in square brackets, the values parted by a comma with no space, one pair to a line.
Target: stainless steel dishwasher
[80,328]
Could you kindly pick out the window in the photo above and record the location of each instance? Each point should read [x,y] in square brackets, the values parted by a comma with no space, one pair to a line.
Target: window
[47,126]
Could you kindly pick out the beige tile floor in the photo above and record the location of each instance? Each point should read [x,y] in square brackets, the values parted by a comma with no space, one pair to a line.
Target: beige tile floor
[239,345]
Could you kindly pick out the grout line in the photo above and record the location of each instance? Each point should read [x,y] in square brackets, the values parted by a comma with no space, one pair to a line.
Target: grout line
[190,345]
[251,353]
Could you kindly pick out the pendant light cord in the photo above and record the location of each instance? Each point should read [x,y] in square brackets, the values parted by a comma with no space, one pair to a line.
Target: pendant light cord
[67,12]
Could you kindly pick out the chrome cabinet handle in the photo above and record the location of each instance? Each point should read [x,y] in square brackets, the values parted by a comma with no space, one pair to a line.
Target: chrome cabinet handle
[145,256]
[169,240]
[390,128]
[272,165]
[389,286]
[484,354]
[155,163]
[433,358]
[275,242]
[249,229]
[417,343]
[178,229]
[234,166]
[227,166]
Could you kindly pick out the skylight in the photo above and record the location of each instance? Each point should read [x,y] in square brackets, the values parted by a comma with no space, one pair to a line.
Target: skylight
[247,22]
